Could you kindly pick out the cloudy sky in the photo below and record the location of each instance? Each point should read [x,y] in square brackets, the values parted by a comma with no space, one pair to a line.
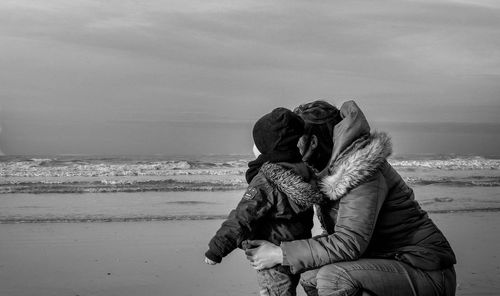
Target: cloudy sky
[190,77]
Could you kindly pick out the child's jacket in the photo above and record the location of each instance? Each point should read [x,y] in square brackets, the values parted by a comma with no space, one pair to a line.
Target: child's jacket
[277,206]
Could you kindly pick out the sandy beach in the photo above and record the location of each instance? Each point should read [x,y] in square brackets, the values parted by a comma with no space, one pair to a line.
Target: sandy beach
[141,227]
[166,258]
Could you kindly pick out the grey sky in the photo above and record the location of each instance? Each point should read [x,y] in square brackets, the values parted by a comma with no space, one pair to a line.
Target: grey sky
[140,77]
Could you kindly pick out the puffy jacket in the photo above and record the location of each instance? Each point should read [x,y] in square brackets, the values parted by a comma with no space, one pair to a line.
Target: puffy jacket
[277,206]
[370,212]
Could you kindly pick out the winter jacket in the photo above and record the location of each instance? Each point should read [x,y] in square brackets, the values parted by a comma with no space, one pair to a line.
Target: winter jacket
[277,206]
[370,212]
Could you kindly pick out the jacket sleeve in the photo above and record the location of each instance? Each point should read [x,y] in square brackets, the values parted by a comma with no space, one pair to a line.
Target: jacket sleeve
[239,224]
[356,219]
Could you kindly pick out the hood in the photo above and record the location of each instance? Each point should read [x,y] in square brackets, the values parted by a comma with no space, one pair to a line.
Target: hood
[356,165]
[291,179]
[356,154]
[352,126]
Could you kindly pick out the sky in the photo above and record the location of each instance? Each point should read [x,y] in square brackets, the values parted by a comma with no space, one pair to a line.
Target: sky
[185,77]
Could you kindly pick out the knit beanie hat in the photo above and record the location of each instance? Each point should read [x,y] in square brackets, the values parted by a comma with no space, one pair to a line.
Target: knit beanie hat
[279,130]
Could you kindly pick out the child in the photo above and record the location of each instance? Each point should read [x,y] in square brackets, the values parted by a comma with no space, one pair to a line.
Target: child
[277,205]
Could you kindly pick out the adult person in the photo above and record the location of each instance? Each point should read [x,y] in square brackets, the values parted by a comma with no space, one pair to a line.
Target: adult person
[377,241]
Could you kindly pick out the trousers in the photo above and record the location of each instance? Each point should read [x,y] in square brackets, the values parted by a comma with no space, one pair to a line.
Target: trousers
[278,281]
[381,277]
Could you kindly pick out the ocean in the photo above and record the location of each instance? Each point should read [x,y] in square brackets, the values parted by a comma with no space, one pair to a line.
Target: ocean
[138,188]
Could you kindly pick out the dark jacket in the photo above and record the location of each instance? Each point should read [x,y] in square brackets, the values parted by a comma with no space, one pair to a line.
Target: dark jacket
[371,212]
[277,206]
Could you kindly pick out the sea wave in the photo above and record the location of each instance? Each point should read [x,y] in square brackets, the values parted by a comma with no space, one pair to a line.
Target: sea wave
[170,185]
[93,219]
[123,167]
[78,174]
[450,163]
[474,181]
[111,168]
[195,217]
[104,186]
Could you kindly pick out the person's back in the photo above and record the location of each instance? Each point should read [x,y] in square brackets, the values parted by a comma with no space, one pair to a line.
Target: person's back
[405,231]
[402,230]
[285,187]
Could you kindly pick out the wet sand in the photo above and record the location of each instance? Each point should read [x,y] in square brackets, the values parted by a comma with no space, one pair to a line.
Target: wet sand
[166,258]
[187,205]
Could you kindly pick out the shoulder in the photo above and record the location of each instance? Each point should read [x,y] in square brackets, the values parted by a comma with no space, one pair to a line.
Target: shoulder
[373,181]
[250,193]
[366,198]
[373,186]
[258,187]
[359,165]
[376,183]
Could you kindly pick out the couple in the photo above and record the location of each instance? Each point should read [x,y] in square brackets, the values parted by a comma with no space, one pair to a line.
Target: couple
[377,240]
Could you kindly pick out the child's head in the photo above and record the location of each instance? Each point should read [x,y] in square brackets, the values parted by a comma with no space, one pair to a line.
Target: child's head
[277,131]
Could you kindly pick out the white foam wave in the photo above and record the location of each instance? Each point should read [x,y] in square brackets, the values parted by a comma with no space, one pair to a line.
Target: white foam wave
[53,167]
[472,163]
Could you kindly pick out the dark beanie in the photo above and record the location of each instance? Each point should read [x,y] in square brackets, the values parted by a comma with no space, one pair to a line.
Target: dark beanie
[279,130]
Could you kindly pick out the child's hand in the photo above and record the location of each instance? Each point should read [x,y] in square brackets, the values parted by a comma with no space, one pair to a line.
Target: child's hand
[208,261]
[245,245]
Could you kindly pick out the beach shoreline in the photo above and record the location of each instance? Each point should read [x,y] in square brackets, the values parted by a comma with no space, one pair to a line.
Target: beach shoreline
[205,205]
[124,227]
[166,258]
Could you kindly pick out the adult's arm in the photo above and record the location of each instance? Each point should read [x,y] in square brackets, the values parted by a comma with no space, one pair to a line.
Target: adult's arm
[356,219]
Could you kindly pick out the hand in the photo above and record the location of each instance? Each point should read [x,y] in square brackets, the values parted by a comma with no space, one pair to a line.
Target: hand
[208,261]
[263,254]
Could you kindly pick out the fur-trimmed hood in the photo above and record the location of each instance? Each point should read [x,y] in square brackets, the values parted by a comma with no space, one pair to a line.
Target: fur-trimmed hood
[356,153]
[360,161]
[291,180]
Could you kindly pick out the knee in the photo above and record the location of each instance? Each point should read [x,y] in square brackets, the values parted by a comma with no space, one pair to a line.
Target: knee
[335,280]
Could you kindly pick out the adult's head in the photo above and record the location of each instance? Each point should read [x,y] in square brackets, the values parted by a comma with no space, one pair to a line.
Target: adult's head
[316,144]
[329,131]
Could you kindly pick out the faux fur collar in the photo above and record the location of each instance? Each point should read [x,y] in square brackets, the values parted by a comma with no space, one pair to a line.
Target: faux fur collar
[292,185]
[359,161]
